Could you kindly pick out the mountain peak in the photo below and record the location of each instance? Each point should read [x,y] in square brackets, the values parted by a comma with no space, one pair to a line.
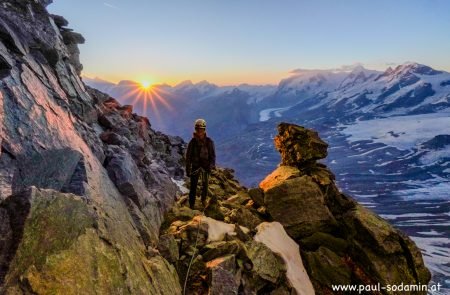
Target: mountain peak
[358,68]
[416,68]
[184,84]
[203,83]
[127,83]
[342,69]
[351,68]
[96,80]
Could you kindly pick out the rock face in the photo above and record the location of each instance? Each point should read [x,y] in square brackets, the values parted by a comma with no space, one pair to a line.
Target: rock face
[84,182]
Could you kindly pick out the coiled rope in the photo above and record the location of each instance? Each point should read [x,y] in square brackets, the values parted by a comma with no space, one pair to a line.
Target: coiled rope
[199,170]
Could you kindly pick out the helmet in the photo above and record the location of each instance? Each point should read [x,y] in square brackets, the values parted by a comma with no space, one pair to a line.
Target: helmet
[200,123]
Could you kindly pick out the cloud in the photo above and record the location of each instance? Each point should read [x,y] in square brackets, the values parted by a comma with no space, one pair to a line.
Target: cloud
[343,68]
[301,71]
[391,63]
[110,5]
[350,67]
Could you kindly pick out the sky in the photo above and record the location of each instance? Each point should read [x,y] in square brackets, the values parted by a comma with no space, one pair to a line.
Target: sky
[229,42]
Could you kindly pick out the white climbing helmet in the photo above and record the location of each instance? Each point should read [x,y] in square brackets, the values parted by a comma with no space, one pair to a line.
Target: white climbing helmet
[200,123]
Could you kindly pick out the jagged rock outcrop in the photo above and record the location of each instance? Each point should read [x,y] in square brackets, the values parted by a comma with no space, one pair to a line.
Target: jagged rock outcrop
[299,146]
[84,182]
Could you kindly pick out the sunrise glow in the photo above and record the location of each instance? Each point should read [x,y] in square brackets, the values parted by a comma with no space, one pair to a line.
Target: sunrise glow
[146,85]
[149,99]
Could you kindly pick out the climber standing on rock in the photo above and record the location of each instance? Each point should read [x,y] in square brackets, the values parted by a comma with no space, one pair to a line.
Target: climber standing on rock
[200,160]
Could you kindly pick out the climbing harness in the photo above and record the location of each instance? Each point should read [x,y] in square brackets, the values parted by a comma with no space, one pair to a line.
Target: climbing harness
[196,239]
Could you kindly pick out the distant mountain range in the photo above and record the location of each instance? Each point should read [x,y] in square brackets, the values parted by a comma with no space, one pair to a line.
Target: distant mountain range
[226,108]
[321,99]
[342,94]
[389,135]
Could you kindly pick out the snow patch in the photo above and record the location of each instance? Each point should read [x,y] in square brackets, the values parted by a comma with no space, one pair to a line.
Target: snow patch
[406,215]
[180,184]
[264,115]
[430,233]
[434,156]
[402,132]
[431,189]
[273,235]
[218,229]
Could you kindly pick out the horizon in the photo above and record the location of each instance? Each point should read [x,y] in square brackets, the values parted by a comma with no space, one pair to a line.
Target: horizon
[256,42]
[294,72]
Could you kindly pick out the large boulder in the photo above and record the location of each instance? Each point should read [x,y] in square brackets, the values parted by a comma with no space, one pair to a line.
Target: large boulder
[378,245]
[46,252]
[297,203]
[277,176]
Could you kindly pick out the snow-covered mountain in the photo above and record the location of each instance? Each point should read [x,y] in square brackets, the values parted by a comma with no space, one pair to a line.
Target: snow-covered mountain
[186,89]
[410,88]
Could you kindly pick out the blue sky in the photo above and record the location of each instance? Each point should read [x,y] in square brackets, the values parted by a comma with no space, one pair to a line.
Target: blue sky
[253,41]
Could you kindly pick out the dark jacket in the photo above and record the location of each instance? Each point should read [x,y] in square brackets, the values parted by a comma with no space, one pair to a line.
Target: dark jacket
[194,159]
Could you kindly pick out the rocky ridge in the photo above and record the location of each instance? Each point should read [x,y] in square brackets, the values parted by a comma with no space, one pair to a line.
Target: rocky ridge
[340,241]
[90,198]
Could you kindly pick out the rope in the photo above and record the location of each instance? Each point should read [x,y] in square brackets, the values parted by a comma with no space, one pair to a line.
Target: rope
[196,239]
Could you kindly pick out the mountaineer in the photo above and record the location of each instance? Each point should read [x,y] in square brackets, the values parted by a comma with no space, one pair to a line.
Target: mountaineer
[200,161]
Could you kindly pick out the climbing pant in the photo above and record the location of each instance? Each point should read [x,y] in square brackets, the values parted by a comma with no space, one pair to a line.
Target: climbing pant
[200,172]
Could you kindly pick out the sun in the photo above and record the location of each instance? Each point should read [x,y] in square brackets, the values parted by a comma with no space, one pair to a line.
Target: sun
[146,85]
[149,97]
